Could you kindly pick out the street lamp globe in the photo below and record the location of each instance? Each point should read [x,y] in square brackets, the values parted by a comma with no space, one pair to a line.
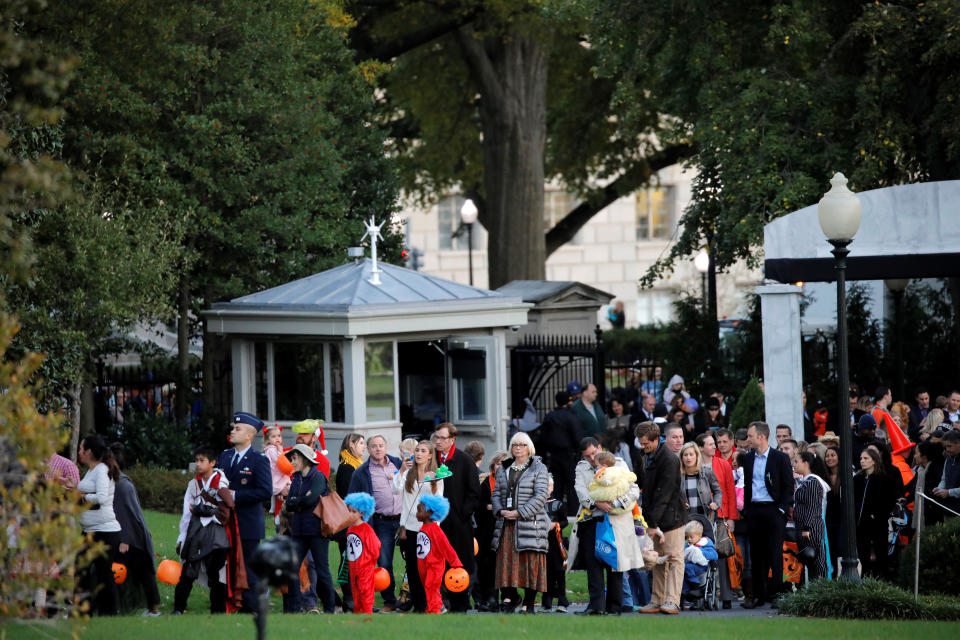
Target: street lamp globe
[468,212]
[839,210]
[897,285]
[702,261]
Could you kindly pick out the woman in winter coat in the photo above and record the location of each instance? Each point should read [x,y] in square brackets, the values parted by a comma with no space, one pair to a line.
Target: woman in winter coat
[875,495]
[306,488]
[520,533]
[698,486]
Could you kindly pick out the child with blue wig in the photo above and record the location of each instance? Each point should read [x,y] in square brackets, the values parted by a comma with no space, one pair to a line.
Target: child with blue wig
[363,550]
[433,548]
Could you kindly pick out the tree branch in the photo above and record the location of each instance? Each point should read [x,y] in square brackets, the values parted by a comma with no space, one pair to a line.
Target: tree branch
[478,59]
[563,231]
[368,48]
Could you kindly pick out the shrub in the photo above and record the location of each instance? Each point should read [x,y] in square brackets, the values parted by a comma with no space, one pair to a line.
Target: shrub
[749,407]
[939,557]
[159,489]
[867,600]
[152,440]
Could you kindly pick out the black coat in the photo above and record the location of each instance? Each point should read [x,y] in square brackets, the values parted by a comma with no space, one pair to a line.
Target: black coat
[558,433]
[462,489]
[778,478]
[663,505]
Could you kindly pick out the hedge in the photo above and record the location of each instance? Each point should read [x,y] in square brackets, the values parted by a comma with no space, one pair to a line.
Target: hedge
[160,489]
[939,559]
[867,600]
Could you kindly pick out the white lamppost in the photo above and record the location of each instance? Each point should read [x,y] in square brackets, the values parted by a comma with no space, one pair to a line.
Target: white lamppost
[468,215]
[702,262]
[839,212]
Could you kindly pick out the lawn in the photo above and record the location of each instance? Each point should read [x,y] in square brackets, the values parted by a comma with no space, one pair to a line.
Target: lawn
[164,526]
[414,627]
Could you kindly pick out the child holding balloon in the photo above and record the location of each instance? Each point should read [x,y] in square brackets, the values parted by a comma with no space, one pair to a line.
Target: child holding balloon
[433,548]
[363,550]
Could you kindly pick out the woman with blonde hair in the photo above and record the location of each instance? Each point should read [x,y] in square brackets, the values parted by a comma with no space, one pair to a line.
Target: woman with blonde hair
[930,423]
[414,478]
[698,485]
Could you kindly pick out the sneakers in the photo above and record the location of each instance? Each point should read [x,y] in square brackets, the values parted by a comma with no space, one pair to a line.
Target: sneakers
[650,607]
[561,609]
[176,613]
[150,614]
[669,608]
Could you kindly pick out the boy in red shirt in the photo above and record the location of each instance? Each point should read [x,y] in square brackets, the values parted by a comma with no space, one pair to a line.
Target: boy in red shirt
[433,548]
[363,550]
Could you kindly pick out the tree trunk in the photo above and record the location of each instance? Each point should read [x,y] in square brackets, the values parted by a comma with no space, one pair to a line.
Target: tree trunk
[512,73]
[74,395]
[183,393]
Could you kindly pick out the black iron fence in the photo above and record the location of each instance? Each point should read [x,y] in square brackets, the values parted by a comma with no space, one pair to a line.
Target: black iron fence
[543,365]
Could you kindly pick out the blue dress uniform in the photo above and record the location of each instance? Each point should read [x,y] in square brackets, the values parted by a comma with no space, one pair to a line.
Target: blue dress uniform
[252,484]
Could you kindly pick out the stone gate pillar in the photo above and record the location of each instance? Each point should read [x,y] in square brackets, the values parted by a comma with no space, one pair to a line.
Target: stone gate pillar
[782,366]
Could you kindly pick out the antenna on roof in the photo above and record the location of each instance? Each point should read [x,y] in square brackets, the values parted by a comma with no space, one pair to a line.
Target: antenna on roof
[373,231]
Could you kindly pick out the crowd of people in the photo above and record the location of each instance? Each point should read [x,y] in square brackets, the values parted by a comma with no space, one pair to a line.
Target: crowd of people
[661,494]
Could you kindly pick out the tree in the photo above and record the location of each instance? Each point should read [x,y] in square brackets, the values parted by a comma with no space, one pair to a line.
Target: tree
[750,406]
[495,98]
[248,123]
[775,98]
[41,541]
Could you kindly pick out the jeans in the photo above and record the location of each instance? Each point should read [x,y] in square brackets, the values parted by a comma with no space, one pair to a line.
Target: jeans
[317,546]
[386,531]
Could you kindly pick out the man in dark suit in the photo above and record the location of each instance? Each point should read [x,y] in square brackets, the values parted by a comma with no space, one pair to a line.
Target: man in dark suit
[767,498]
[462,489]
[559,444]
[919,413]
[249,474]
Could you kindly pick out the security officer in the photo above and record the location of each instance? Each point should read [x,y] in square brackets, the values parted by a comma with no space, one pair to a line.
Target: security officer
[249,474]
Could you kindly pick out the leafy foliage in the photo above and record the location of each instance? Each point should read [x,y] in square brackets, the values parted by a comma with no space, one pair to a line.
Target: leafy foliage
[939,553]
[158,488]
[750,406]
[776,97]
[42,545]
[867,600]
[153,440]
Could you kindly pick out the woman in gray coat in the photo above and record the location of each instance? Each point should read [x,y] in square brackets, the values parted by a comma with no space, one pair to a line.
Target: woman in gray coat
[520,533]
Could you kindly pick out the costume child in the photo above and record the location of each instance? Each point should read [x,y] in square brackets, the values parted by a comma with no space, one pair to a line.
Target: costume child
[273,449]
[433,548]
[208,538]
[363,550]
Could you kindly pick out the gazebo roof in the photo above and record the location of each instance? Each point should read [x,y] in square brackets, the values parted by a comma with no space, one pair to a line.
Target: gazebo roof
[349,285]
[344,301]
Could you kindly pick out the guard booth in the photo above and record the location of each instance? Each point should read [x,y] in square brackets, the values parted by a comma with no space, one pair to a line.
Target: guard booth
[372,348]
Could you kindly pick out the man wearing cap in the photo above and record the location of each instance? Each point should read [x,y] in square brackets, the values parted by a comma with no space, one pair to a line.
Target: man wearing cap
[573,388]
[310,433]
[588,411]
[251,484]
[375,476]
[866,432]
[560,428]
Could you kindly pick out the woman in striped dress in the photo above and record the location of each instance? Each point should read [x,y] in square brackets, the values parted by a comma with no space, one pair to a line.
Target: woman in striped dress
[808,507]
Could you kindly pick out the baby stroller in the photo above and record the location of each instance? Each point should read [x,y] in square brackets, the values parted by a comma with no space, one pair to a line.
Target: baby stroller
[704,596]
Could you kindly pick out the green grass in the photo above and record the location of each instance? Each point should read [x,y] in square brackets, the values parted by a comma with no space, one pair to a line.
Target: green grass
[163,527]
[414,627]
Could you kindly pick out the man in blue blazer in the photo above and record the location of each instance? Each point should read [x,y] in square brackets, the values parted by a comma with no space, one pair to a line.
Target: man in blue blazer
[767,499]
[249,474]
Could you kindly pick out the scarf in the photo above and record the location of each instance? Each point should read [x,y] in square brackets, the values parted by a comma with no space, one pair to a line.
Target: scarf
[347,457]
[443,458]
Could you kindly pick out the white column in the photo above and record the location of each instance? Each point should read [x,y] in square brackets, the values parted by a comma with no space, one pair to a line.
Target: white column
[244,381]
[354,383]
[782,366]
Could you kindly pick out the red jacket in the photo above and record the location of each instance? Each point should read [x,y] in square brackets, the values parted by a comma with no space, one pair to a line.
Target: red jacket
[724,473]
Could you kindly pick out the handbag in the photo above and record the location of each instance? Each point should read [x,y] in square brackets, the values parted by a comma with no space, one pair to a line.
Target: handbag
[724,541]
[605,546]
[334,514]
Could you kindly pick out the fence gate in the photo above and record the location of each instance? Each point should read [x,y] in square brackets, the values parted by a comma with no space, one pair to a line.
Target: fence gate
[541,366]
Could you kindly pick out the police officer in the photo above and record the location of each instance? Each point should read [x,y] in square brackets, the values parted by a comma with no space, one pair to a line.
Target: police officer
[249,474]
